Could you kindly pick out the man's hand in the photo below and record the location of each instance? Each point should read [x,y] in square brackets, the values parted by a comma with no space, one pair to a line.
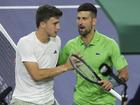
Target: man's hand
[106,85]
[72,60]
[68,65]
[123,74]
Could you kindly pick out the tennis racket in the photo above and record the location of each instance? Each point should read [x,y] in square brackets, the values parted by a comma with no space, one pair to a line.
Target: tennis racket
[86,72]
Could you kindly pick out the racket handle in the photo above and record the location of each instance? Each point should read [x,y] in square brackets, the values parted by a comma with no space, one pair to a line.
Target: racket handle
[114,93]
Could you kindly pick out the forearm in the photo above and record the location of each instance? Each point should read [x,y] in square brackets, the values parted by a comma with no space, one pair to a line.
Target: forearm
[123,74]
[51,72]
[38,74]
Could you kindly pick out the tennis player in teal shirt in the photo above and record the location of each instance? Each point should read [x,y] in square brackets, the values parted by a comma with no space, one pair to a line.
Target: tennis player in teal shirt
[96,49]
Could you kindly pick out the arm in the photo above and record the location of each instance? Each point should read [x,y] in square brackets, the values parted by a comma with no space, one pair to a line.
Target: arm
[28,58]
[123,74]
[120,63]
[41,74]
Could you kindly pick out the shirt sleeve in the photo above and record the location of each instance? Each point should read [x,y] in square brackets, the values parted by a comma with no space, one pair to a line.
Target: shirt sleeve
[64,54]
[117,58]
[26,51]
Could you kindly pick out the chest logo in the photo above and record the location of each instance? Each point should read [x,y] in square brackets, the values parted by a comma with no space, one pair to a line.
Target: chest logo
[55,52]
[97,53]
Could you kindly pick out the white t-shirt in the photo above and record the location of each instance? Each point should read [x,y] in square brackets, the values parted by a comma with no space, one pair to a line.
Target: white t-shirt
[29,48]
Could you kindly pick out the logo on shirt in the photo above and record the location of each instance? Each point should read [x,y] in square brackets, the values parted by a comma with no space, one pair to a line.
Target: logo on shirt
[97,53]
[55,52]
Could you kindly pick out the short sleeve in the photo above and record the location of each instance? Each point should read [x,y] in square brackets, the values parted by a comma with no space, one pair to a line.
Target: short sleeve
[26,51]
[117,58]
[64,54]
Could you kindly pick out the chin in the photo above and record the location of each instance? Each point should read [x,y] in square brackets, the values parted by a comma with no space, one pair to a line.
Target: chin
[53,36]
[83,34]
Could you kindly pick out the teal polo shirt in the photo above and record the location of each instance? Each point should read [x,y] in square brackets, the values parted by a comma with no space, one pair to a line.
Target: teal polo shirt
[101,49]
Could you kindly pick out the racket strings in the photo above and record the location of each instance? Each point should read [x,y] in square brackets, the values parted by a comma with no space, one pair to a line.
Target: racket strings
[83,69]
[86,72]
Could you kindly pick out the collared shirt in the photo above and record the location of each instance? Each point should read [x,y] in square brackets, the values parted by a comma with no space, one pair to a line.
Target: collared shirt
[101,49]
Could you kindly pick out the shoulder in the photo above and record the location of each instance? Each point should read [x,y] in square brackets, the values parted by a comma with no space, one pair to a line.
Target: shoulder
[109,43]
[27,39]
[73,41]
[105,39]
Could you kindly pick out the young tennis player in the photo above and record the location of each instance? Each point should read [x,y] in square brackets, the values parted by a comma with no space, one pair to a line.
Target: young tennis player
[36,59]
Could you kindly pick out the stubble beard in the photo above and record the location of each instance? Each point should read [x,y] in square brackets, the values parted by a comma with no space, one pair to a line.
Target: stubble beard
[84,33]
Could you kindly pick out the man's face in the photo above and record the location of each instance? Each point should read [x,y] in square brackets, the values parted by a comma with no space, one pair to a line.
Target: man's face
[85,22]
[52,26]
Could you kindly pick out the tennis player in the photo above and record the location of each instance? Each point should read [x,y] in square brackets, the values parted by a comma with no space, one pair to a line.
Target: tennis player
[36,59]
[96,49]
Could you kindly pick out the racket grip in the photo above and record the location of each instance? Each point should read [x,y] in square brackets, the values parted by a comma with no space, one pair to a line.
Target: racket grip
[114,93]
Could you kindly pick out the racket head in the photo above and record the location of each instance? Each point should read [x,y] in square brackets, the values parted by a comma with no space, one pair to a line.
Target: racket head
[83,69]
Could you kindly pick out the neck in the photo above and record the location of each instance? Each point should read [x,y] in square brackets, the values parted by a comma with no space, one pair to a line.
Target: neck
[42,37]
[87,39]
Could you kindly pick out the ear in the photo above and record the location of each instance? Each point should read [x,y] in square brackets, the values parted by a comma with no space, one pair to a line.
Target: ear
[94,21]
[42,24]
